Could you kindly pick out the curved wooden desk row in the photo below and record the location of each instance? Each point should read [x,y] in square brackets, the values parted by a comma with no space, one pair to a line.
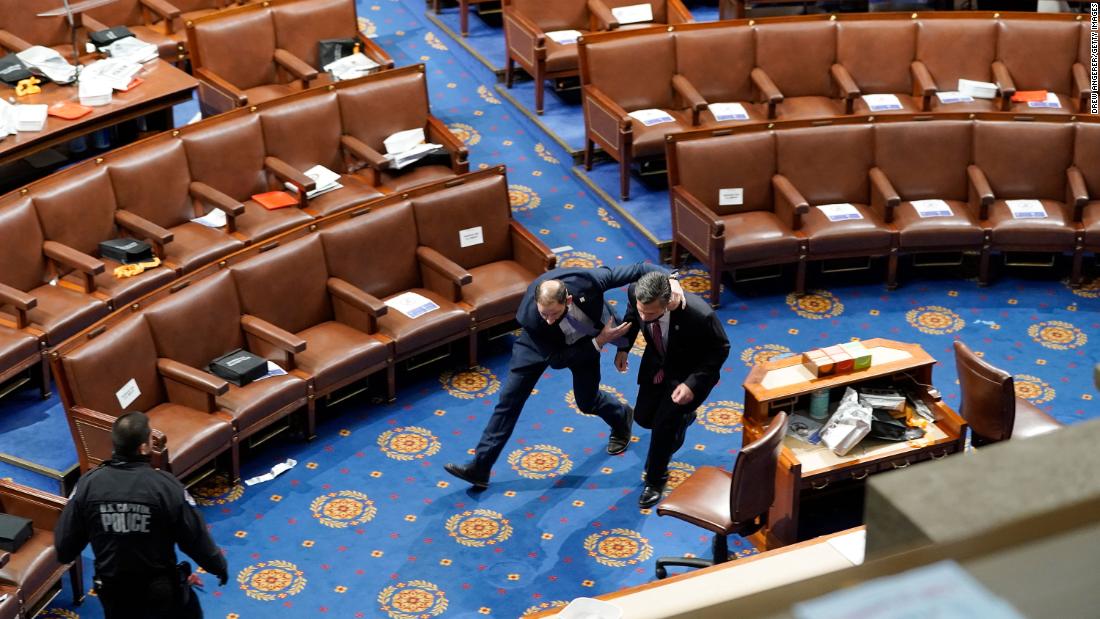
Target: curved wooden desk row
[819,67]
[314,301]
[50,230]
[752,196]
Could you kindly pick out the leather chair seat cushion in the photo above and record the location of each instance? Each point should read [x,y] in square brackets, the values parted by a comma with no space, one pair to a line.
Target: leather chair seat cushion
[650,141]
[355,191]
[1054,231]
[1069,106]
[257,400]
[267,92]
[1031,421]
[194,436]
[797,108]
[33,565]
[975,106]
[194,245]
[1090,219]
[916,232]
[562,58]
[400,180]
[167,47]
[16,347]
[497,289]
[122,291]
[62,312]
[838,237]
[412,334]
[757,235]
[258,223]
[336,352]
[703,499]
[909,105]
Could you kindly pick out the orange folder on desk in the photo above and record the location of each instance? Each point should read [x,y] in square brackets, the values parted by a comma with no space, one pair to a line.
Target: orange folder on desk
[1023,96]
[275,200]
[68,110]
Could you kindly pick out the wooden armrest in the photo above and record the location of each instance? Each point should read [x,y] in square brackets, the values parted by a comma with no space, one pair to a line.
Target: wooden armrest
[847,86]
[528,28]
[438,133]
[1082,85]
[11,42]
[981,194]
[78,261]
[767,88]
[221,84]
[884,198]
[789,203]
[42,508]
[923,84]
[1077,192]
[17,299]
[372,50]
[92,24]
[609,107]
[276,336]
[690,94]
[682,198]
[289,174]
[166,10]
[678,13]
[295,65]
[143,227]
[443,265]
[606,20]
[356,298]
[207,194]
[359,149]
[191,377]
[529,250]
[1005,84]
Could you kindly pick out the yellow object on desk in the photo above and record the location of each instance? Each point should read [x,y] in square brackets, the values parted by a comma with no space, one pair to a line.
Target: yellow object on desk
[28,86]
[130,270]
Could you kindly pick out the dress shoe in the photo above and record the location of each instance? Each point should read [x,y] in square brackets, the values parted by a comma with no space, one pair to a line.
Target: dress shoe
[621,438]
[650,495]
[466,473]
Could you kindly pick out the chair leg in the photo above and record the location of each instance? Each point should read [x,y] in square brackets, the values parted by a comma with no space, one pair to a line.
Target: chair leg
[391,382]
[540,89]
[76,579]
[720,549]
[892,271]
[800,277]
[436,5]
[715,285]
[509,72]
[311,418]
[471,359]
[235,462]
[983,268]
[1078,259]
[589,147]
[44,376]
[624,175]
[674,257]
[464,16]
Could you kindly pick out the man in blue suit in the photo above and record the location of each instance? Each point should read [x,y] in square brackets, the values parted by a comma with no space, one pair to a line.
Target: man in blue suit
[566,324]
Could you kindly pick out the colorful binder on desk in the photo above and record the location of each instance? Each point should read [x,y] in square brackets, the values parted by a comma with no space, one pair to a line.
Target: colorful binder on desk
[273,200]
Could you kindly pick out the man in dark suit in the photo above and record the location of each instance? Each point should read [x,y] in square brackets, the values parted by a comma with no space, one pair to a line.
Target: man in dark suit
[566,324]
[685,349]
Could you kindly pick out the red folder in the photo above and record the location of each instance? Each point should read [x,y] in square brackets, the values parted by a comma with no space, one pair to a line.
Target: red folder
[275,200]
[1023,96]
[68,110]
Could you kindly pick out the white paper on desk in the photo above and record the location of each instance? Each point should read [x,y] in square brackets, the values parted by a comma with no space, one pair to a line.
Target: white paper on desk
[564,37]
[272,370]
[1051,101]
[350,67]
[942,590]
[48,61]
[117,72]
[852,545]
[882,103]
[30,117]
[978,90]
[953,96]
[633,14]
[728,111]
[7,119]
[932,208]
[94,91]
[651,116]
[132,49]
[840,212]
[1026,209]
[276,470]
[412,304]
[214,219]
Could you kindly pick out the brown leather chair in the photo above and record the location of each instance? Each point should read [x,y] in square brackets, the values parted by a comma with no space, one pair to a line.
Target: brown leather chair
[831,165]
[151,180]
[28,262]
[302,132]
[927,161]
[78,211]
[227,156]
[327,332]
[1084,180]
[714,65]
[140,17]
[370,115]
[725,503]
[210,307]
[9,608]
[794,70]
[726,237]
[34,568]
[19,350]
[989,403]
[1040,55]
[665,12]
[300,24]
[526,23]
[502,266]
[180,401]
[875,58]
[1012,161]
[949,49]
[20,27]
[377,253]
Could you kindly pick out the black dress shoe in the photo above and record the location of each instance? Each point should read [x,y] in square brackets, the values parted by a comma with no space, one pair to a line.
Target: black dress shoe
[621,438]
[465,472]
[650,496]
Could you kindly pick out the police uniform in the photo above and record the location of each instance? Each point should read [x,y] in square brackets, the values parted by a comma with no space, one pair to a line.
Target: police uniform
[134,515]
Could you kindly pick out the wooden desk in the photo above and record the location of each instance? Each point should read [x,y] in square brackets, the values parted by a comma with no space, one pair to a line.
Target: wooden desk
[164,86]
[804,469]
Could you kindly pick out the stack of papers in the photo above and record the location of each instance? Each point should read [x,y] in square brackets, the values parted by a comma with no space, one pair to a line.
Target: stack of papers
[979,90]
[882,103]
[326,180]
[30,117]
[115,71]
[49,62]
[564,37]
[350,67]
[650,117]
[728,111]
[412,304]
[840,212]
[132,49]
[405,147]
[95,91]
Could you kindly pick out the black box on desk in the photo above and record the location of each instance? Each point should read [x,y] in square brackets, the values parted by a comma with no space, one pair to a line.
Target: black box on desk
[14,530]
[126,251]
[239,367]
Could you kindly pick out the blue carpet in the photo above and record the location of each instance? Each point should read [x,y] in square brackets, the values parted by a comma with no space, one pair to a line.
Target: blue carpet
[647,208]
[30,478]
[35,429]
[562,116]
[369,525]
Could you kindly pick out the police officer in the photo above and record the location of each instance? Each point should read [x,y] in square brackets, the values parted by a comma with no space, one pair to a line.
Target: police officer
[134,515]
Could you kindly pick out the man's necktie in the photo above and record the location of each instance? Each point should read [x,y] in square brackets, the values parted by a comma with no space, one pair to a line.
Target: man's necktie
[659,342]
